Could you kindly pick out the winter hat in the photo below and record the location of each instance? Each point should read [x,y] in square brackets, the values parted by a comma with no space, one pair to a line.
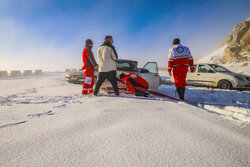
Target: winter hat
[176,41]
[88,41]
[108,37]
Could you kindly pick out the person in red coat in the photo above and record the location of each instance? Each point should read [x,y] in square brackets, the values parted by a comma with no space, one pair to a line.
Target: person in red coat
[88,68]
[134,83]
[179,60]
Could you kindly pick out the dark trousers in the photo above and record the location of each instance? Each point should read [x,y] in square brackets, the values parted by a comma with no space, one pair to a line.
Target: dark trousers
[111,77]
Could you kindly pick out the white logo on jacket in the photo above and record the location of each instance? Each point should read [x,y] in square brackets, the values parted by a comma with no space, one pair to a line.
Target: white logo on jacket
[88,80]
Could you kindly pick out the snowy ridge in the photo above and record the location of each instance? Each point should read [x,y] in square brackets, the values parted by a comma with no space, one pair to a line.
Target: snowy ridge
[235,51]
[214,57]
[238,67]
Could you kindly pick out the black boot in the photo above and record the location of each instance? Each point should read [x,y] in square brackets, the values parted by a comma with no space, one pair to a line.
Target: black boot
[184,89]
[180,92]
[183,92]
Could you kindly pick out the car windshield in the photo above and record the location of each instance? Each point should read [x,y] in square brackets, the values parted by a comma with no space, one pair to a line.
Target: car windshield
[126,66]
[218,68]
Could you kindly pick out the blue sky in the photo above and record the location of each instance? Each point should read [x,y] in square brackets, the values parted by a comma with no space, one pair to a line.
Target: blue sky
[50,34]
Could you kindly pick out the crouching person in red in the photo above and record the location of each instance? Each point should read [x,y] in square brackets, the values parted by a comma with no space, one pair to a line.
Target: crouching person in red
[134,83]
[179,59]
[88,68]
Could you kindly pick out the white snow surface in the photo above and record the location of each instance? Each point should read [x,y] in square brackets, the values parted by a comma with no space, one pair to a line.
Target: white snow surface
[44,121]
[230,104]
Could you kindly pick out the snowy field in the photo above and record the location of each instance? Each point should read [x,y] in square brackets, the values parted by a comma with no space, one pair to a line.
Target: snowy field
[44,121]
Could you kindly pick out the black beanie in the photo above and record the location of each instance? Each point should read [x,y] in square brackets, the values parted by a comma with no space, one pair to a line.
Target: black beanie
[108,37]
[88,41]
[122,75]
[176,41]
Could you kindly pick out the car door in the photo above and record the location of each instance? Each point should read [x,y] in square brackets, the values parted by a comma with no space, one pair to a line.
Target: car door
[191,76]
[205,76]
[150,73]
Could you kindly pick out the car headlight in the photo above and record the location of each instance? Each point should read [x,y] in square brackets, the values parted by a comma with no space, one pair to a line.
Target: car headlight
[239,78]
[248,78]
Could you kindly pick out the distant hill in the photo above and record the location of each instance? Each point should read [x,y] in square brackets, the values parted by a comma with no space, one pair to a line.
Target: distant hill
[234,52]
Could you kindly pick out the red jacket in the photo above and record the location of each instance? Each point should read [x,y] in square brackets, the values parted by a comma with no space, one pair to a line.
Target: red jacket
[133,81]
[180,56]
[88,60]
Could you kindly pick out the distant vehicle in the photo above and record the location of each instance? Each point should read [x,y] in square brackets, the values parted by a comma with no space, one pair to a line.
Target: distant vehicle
[76,77]
[213,75]
[149,72]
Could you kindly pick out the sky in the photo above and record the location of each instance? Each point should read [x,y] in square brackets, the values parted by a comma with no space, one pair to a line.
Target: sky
[50,34]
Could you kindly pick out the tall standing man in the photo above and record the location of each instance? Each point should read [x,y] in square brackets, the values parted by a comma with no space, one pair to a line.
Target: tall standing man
[107,57]
[179,59]
[88,68]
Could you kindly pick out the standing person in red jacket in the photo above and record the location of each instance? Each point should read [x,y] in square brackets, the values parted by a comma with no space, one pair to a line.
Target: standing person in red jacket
[134,83]
[88,68]
[179,59]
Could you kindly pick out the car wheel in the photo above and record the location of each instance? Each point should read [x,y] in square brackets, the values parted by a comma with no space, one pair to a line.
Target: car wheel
[225,84]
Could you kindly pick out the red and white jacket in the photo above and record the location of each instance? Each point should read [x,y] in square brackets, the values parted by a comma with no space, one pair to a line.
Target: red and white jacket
[180,55]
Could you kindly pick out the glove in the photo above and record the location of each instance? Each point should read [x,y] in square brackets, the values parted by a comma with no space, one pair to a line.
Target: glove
[169,72]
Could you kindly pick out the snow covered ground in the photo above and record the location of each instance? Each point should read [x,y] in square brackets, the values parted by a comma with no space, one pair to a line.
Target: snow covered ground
[230,104]
[44,121]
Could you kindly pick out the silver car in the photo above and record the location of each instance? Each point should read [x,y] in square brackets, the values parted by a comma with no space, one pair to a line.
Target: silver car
[213,75]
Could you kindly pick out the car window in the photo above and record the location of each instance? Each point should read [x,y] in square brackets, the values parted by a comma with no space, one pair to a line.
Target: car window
[205,69]
[126,66]
[218,68]
[151,67]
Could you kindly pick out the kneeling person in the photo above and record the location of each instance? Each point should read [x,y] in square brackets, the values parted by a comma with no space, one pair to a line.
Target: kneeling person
[134,83]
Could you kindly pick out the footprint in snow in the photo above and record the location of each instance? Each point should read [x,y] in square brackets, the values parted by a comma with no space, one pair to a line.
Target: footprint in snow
[32,90]
[12,124]
[41,114]
[60,106]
